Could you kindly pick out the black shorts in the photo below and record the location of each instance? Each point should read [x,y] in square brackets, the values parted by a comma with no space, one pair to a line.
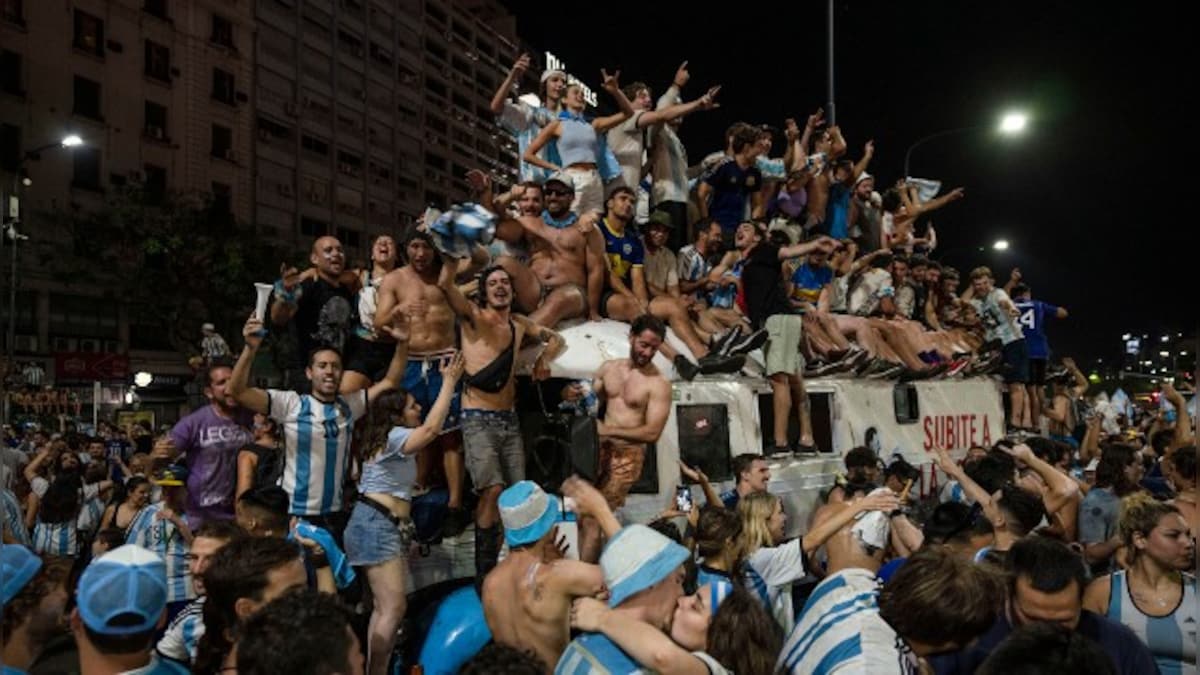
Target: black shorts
[1037,371]
[368,357]
[604,298]
[1016,362]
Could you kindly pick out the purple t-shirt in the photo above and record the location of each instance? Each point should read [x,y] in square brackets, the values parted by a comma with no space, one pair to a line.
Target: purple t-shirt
[210,445]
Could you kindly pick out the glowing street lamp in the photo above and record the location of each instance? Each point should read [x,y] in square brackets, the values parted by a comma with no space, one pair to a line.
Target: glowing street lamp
[1013,123]
[1000,245]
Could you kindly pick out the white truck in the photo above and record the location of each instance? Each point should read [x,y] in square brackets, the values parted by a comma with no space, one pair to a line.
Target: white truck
[714,418]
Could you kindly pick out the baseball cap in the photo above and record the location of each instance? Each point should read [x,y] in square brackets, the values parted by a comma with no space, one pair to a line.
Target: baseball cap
[527,512]
[660,218]
[18,565]
[207,326]
[123,592]
[561,177]
[172,476]
[636,559]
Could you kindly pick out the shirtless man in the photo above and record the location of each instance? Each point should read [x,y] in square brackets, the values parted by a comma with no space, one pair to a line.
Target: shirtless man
[431,339]
[491,337]
[527,598]
[565,276]
[638,401]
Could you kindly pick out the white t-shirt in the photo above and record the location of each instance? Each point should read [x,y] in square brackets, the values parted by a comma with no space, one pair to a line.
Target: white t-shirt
[627,142]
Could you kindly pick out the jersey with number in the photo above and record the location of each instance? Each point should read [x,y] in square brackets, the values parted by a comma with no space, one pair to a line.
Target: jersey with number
[316,440]
[162,537]
[1032,316]
[624,252]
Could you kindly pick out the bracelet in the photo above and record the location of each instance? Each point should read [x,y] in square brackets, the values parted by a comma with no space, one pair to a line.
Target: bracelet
[320,561]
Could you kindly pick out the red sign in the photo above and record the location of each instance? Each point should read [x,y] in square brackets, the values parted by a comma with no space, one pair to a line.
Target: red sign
[88,367]
[954,432]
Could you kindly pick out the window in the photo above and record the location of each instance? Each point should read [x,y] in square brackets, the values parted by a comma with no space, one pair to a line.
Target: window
[87,168]
[349,237]
[156,121]
[158,61]
[87,98]
[315,145]
[905,402]
[222,31]
[270,129]
[223,89]
[222,198]
[436,50]
[349,164]
[222,142]
[10,73]
[155,183]
[89,33]
[351,43]
[313,228]
[10,147]
[79,316]
[13,11]
[155,8]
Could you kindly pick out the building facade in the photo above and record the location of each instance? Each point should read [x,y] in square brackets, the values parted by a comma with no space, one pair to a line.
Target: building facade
[301,117]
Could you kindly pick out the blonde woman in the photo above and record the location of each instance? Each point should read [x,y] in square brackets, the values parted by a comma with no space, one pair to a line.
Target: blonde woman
[1154,596]
[771,565]
[380,530]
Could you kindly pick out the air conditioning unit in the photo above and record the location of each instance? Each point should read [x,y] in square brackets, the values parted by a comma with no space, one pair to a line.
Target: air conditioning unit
[90,346]
[25,343]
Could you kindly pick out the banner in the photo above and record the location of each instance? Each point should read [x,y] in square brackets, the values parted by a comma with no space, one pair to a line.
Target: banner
[84,367]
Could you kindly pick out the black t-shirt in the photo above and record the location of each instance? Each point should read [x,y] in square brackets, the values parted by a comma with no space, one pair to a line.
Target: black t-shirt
[762,284]
[325,317]
[270,464]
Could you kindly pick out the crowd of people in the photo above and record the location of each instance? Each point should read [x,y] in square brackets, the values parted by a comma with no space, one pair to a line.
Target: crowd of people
[269,530]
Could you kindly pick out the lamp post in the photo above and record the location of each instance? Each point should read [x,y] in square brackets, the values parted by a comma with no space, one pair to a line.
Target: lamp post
[10,216]
[1012,124]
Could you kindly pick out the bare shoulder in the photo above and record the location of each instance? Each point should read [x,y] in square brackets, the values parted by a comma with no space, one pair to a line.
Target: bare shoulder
[1097,593]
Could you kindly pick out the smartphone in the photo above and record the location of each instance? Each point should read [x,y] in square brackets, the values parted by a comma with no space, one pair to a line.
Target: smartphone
[683,499]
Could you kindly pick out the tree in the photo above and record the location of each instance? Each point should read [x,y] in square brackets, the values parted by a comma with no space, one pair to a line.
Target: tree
[177,260]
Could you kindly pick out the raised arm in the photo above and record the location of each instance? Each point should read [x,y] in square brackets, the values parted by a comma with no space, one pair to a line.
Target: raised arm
[820,533]
[514,74]
[531,153]
[970,488]
[861,167]
[464,308]
[1061,488]
[938,202]
[1183,420]
[694,474]
[425,434]
[1014,278]
[613,87]
[589,502]
[239,382]
[804,248]
[657,410]
[287,295]
[703,195]
[660,115]
[837,144]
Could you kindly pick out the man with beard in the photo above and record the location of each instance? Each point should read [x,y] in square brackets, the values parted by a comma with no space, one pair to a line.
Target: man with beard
[636,400]
[34,597]
[317,427]
[565,275]
[320,308]
[431,340]
[491,337]
[209,440]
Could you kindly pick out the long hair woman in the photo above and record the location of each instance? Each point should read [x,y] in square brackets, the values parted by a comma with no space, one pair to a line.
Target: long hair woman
[380,529]
[127,504]
[719,548]
[1155,597]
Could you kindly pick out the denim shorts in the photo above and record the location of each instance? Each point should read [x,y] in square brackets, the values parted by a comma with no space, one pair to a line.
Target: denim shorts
[494,451]
[373,539]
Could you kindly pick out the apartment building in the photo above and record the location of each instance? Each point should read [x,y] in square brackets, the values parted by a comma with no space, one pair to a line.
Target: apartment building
[159,93]
[368,111]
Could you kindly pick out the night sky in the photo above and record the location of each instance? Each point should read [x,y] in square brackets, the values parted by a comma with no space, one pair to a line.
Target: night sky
[1093,198]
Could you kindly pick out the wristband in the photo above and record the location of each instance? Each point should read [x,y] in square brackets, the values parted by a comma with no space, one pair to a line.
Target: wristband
[319,561]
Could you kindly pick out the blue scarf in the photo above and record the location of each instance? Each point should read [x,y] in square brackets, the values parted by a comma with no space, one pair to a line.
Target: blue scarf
[559,224]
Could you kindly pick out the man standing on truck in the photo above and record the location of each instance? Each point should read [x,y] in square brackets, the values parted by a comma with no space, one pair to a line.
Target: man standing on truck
[636,400]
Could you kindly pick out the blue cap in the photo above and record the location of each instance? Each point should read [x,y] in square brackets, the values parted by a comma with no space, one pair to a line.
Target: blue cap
[527,512]
[123,592]
[18,565]
[636,559]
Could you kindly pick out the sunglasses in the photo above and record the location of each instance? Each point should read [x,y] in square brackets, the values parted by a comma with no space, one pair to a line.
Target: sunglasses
[556,192]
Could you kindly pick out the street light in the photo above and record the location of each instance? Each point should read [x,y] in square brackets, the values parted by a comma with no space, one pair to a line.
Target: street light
[1000,245]
[10,216]
[1012,124]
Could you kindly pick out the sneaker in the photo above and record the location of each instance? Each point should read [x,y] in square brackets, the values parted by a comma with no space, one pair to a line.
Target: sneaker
[748,343]
[828,369]
[892,371]
[686,369]
[857,357]
[803,450]
[779,451]
[716,363]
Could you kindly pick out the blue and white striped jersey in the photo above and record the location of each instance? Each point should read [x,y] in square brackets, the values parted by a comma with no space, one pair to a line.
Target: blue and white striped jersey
[161,536]
[182,638]
[316,438]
